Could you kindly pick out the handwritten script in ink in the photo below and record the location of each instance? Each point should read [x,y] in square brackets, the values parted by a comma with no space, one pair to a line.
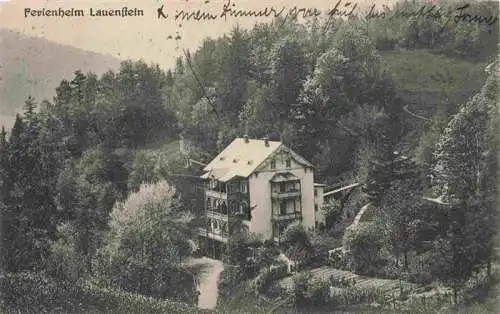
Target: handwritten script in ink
[340,9]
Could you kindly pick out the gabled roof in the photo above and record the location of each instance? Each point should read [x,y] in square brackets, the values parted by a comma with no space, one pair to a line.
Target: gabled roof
[283,149]
[240,159]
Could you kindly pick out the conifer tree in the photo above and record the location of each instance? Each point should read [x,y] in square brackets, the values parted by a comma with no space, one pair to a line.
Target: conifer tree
[380,165]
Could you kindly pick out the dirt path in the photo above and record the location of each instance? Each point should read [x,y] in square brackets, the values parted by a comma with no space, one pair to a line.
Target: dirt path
[208,282]
[405,108]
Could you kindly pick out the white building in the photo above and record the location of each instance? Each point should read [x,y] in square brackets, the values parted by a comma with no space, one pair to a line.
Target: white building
[265,184]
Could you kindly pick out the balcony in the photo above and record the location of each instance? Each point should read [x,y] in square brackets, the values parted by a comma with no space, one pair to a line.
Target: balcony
[216,194]
[285,194]
[217,234]
[217,215]
[286,216]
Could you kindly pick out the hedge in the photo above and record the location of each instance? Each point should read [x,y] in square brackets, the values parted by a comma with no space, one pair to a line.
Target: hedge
[38,293]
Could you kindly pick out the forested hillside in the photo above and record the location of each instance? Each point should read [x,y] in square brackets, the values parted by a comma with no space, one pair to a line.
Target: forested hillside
[34,66]
[96,195]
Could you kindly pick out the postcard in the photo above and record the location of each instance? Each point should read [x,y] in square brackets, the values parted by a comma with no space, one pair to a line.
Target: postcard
[232,156]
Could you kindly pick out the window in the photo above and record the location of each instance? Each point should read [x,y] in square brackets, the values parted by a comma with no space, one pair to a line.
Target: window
[282,208]
[315,207]
[273,164]
[289,163]
[282,187]
[243,187]
[315,192]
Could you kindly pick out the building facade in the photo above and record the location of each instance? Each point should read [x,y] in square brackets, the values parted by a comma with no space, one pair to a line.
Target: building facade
[261,183]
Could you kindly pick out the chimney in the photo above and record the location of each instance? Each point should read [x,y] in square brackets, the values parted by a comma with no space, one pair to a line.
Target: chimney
[266,141]
[246,132]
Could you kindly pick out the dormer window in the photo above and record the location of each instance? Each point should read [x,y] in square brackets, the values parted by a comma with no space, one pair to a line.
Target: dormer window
[273,164]
[289,163]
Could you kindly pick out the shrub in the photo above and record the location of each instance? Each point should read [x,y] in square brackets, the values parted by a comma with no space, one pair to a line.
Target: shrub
[320,294]
[364,245]
[38,293]
[301,286]
[333,213]
[269,275]
[229,278]
[118,301]
[66,261]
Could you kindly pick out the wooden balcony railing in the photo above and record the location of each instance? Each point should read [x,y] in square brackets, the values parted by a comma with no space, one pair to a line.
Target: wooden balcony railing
[217,234]
[277,216]
[217,215]
[285,194]
[216,194]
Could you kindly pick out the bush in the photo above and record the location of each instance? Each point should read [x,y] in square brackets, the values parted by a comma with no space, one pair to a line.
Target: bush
[320,294]
[269,275]
[323,294]
[339,259]
[38,293]
[300,288]
[364,245]
[333,213]
[420,269]
[117,301]
[66,261]
[229,278]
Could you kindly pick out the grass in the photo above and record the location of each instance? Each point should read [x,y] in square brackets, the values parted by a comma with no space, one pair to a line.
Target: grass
[426,79]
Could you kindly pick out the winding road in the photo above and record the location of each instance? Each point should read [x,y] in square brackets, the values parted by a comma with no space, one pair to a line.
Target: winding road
[208,282]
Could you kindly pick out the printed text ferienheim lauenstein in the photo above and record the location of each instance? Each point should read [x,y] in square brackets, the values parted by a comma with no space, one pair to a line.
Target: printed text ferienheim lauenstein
[60,12]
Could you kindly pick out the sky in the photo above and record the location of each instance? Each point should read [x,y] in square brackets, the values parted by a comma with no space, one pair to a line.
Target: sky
[144,37]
